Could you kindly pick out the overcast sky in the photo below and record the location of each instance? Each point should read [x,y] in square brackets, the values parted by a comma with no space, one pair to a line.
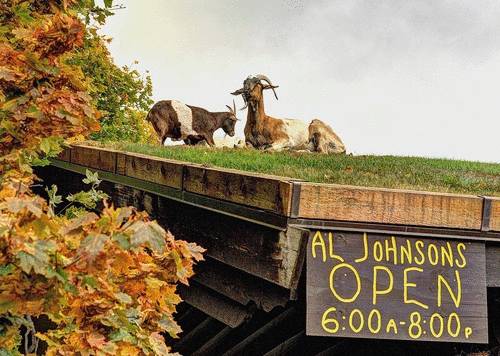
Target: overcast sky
[390,77]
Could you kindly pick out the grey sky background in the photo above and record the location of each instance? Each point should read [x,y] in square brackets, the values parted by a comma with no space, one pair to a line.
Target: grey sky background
[390,76]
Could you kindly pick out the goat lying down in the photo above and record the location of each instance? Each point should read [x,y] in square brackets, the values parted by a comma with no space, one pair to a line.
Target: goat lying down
[265,132]
[191,124]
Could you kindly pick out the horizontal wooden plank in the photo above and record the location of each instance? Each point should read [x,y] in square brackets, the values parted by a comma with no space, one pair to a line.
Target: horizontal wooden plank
[214,304]
[495,214]
[261,191]
[240,286]
[153,169]
[94,157]
[389,206]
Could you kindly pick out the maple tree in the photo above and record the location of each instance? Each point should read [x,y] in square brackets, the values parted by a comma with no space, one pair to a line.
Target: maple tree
[107,280]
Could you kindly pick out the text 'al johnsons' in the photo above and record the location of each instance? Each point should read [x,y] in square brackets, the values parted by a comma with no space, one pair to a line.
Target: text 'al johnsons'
[410,252]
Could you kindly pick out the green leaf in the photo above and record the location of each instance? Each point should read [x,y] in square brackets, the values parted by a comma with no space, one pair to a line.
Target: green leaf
[51,146]
[91,178]
[23,12]
[5,305]
[108,3]
[122,335]
[54,199]
[90,281]
[87,199]
[122,240]
[7,269]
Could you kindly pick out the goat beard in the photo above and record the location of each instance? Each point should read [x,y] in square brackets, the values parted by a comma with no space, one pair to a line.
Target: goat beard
[253,105]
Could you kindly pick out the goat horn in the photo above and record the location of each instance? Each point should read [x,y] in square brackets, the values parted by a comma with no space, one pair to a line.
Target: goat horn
[266,79]
[234,107]
[238,92]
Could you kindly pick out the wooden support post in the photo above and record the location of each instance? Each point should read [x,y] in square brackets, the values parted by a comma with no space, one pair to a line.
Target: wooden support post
[288,347]
[195,337]
[259,337]
[213,343]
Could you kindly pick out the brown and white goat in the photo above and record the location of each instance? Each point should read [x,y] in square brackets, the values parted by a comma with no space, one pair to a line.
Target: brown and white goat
[265,132]
[171,118]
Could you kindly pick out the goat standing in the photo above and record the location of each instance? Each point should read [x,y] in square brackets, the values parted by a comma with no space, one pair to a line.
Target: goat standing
[171,118]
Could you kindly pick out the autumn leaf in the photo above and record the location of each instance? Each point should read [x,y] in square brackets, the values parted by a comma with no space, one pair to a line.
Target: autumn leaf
[170,326]
[92,245]
[36,257]
[196,251]
[78,222]
[96,340]
[147,233]
[123,298]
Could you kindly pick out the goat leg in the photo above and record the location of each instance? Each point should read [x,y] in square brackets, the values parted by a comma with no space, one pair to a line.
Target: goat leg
[210,140]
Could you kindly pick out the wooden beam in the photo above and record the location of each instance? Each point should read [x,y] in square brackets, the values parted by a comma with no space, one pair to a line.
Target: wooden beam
[214,304]
[289,346]
[241,212]
[153,169]
[213,343]
[93,157]
[287,197]
[240,286]
[257,190]
[197,336]
[389,206]
[65,155]
[264,335]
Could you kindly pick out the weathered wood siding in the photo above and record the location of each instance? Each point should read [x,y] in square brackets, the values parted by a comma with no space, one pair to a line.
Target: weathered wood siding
[152,169]
[389,206]
[256,190]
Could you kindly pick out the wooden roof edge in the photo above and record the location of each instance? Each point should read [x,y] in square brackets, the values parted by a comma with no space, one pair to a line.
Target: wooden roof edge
[302,199]
[283,178]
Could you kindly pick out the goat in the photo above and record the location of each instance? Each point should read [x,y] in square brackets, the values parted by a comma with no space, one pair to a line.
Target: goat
[171,118]
[323,139]
[265,132]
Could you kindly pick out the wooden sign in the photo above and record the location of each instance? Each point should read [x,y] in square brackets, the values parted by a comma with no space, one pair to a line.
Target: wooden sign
[387,287]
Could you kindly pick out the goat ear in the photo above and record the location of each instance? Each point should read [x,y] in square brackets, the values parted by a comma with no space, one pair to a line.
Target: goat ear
[238,92]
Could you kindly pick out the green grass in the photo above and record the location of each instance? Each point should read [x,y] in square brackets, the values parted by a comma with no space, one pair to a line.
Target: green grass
[416,173]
